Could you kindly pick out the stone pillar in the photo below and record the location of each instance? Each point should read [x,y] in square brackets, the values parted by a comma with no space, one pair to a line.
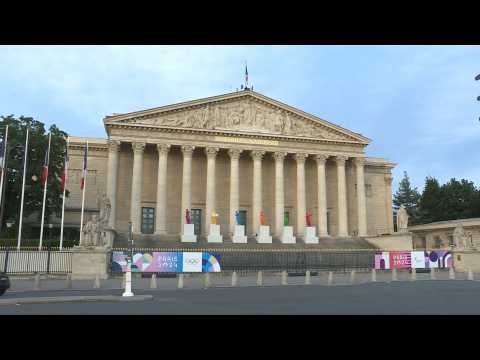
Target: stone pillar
[113,147]
[137,179]
[342,196]
[322,195]
[279,193]
[161,213]
[301,209]
[187,151]
[389,205]
[257,156]
[361,201]
[211,153]
[234,186]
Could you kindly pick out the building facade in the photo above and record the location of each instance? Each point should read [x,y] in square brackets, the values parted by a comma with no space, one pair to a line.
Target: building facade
[236,152]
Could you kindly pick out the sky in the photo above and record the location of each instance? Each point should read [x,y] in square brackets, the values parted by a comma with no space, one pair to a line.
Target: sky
[417,103]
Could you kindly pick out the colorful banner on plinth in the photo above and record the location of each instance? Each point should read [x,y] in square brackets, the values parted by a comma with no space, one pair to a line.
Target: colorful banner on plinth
[171,262]
[413,259]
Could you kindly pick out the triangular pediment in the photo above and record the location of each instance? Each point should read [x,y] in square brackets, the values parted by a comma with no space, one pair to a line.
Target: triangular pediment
[243,112]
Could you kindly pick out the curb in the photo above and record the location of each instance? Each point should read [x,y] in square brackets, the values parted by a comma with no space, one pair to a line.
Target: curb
[65,299]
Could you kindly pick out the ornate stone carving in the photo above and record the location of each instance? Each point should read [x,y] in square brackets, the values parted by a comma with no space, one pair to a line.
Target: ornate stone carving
[359,161]
[279,155]
[163,148]
[234,153]
[113,145]
[245,115]
[402,219]
[138,147]
[211,152]
[91,233]
[187,150]
[461,238]
[300,157]
[257,154]
[321,158]
[341,159]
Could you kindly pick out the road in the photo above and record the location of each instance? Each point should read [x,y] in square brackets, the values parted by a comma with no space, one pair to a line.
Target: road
[441,297]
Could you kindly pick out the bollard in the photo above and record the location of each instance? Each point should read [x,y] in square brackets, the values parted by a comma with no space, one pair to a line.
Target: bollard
[124,280]
[68,281]
[36,286]
[374,275]
[432,274]
[352,276]
[394,274]
[330,278]
[307,277]
[206,280]
[451,273]
[259,278]
[414,275]
[234,279]
[284,278]
[470,274]
[96,284]
[153,281]
[180,281]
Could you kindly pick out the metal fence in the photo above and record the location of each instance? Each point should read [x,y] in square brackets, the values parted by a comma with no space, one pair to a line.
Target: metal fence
[27,262]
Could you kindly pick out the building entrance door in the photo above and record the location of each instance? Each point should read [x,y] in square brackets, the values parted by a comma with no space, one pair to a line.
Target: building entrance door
[197,221]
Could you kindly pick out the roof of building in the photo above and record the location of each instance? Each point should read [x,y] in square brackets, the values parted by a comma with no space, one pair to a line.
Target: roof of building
[445,224]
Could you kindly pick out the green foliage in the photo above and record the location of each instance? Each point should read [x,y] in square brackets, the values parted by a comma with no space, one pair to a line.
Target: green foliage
[409,198]
[37,146]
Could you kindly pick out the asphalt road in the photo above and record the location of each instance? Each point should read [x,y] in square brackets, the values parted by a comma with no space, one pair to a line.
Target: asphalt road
[421,297]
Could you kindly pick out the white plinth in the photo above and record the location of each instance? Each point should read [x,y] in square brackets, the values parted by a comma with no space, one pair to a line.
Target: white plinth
[189,233]
[310,237]
[263,236]
[214,236]
[287,235]
[239,235]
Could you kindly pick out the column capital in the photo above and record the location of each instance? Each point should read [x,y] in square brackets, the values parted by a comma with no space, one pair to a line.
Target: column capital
[163,148]
[300,157]
[340,159]
[321,158]
[211,151]
[187,150]
[138,147]
[359,161]
[279,155]
[388,180]
[113,145]
[257,154]
[234,153]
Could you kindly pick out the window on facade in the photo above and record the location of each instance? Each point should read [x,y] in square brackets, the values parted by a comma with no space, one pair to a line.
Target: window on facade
[197,221]
[148,220]
[438,242]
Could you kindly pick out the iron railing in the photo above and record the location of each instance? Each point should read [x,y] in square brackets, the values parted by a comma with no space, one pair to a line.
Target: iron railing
[31,261]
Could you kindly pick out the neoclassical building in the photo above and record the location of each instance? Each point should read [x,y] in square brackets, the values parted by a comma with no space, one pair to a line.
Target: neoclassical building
[240,151]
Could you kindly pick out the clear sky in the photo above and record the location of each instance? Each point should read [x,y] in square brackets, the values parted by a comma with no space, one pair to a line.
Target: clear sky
[417,103]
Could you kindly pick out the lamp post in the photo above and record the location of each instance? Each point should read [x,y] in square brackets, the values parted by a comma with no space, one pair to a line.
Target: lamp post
[128,274]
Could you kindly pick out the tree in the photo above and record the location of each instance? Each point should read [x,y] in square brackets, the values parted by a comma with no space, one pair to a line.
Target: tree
[459,200]
[429,209]
[37,147]
[409,198]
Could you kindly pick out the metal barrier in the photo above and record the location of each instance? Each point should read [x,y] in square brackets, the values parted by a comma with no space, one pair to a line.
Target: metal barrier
[27,262]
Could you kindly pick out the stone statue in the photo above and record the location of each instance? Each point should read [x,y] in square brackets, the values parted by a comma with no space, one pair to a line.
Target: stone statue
[402,219]
[263,221]
[237,217]
[309,218]
[188,219]
[91,233]
[460,237]
[214,218]
[105,207]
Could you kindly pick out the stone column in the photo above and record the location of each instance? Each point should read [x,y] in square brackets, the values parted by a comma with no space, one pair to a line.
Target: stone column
[187,151]
[279,193]
[389,206]
[113,147]
[257,156]
[342,196]
[301,209]
[161,215]
[322,195]
[361,201]
[137,178]
[234,186]
[211,153]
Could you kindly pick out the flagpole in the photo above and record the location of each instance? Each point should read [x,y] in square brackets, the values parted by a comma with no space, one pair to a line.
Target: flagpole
[44,191]
[83,198]
[4,161]
[63,198]
[23,192]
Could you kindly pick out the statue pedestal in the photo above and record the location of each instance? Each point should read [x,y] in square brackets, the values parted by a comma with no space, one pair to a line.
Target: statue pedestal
[287,235]
[214,236]
[310,237]
[263,236]
[88,262]
[239,235]
[189,233]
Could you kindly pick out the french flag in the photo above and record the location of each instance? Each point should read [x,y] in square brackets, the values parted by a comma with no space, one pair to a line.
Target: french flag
[44,176]
[64,174]
[84,172]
